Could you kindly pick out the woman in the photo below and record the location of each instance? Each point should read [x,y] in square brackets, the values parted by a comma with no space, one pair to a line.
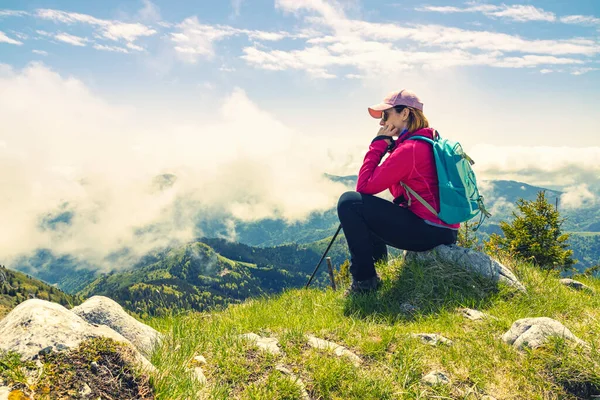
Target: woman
[369,222]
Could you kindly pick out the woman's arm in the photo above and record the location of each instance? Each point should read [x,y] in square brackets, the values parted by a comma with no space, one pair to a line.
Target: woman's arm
[374,178]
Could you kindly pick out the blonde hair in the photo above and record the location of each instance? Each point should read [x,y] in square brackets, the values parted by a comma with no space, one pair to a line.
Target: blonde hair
[416,120]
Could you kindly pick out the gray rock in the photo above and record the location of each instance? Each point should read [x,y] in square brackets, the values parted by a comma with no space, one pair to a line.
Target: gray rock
[200,360]
[533,332]
[37,324]
[270,345]
[85,390]
[340,351]
[473,315]
[100,310]
[199,375]
[436,378]
[469,259]
[303,393]
[432,339]
[575,285]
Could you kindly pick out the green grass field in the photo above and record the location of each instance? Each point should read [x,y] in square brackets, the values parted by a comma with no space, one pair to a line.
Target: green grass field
[375,327]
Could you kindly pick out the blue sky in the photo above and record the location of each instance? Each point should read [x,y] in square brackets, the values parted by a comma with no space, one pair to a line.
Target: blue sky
[248,102]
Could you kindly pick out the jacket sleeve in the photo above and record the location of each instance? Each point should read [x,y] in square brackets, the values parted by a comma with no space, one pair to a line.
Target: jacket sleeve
[374,178]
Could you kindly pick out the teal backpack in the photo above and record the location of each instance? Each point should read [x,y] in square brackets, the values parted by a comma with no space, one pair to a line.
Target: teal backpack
[460,200]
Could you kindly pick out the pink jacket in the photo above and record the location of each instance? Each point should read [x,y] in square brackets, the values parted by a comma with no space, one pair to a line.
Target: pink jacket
[410,162]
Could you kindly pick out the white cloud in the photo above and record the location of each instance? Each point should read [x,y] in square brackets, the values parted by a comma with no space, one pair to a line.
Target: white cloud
[374,48]
[54,157]
[112,30]
[581,71]
[578,196]
[195,40]
[150,12]
[519,13]
[537,165]
[115,49]
[12,13]
[236,5]
[6,39]
[523,13]
[134,47]
[580,19]
[71,39]
[40,52]
[545,71]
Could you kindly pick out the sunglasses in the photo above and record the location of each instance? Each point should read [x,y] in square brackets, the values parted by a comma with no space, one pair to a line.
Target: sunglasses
[385,115]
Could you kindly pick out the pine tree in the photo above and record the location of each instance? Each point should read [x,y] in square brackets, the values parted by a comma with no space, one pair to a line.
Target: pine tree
[466,236]
[535,235]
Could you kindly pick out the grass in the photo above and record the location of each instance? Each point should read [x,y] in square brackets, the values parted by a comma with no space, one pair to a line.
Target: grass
[376,328]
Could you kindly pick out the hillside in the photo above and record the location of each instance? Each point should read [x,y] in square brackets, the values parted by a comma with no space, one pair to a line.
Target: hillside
[275,235]
[16,287]
[377,329]
[201,276]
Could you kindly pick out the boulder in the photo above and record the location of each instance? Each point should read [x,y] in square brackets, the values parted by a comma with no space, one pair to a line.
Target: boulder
[473,315]
[575,285]
[296,379]
[36,325]
[469,259]
[270,345]
[533,332]
[436,378]
[100,310]
[338,350]
[432,339]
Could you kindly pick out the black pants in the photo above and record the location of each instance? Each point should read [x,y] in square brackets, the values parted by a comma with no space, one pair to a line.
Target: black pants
[370,223]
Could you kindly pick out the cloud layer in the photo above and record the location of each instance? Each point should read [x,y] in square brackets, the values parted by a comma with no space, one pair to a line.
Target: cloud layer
[117,170]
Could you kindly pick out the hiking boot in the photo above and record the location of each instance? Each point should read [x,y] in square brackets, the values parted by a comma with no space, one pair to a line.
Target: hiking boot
[365,286]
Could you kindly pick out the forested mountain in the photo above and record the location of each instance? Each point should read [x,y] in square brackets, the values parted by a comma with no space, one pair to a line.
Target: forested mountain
[196,277]
[294,247]
[16,287]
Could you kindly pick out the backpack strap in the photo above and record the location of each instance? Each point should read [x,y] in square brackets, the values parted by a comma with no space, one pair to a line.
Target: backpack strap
[419,198]
[409,190]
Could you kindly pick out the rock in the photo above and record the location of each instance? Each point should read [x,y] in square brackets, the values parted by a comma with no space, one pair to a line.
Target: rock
[4,392]
[269,345]
[471,314]
[436,378]
[303,393]
[36,324]
[85,390]
[469,259]
[200,359]
[100,310]
[575,285]
[533,332]
[340,351]
[199,375]
[432,339]
[94,366]
[195,366]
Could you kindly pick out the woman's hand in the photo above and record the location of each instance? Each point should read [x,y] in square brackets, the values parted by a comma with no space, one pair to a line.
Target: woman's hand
[388,130]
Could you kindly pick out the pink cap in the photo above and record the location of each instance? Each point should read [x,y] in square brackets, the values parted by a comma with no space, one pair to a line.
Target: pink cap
[404,97]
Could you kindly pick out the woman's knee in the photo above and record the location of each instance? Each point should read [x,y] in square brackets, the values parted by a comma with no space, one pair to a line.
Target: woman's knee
[348,199]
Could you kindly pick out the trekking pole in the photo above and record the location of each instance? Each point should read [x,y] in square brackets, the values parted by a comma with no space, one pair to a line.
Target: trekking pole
[324,254]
